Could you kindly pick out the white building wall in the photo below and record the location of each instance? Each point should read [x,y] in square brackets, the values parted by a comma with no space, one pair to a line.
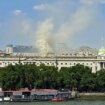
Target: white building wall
[61,62]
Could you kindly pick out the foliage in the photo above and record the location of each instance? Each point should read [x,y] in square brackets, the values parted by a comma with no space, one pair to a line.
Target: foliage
[14,77]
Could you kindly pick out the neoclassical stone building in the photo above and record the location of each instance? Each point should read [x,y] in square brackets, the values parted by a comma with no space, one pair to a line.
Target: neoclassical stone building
[86,56]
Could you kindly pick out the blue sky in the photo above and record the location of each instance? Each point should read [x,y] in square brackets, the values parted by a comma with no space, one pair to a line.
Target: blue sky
[73,22]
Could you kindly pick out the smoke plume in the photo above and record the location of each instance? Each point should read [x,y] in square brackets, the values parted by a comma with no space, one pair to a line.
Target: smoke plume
[78,22]
[65,24]
[44,37]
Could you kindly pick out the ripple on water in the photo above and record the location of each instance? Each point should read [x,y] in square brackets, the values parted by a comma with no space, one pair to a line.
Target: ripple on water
[73,102]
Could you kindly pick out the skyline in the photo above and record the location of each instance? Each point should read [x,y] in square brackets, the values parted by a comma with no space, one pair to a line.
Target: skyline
[73,22]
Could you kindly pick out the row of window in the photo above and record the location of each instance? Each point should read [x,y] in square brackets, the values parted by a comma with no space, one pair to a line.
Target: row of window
[50,63]
[6,63]
[82,54]
[76,63]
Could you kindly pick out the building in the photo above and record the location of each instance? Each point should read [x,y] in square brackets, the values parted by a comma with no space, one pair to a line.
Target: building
[62,58]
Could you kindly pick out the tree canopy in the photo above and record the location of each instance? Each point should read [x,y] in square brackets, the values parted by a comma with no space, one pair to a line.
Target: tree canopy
[14,77]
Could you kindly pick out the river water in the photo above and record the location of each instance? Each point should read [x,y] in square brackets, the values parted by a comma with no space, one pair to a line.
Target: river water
[73,102]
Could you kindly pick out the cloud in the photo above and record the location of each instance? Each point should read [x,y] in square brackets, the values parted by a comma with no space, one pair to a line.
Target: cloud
[41,7]
[93,1]
[17,12]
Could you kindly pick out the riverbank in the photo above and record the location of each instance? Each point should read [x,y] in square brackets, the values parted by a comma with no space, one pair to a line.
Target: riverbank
[91,96]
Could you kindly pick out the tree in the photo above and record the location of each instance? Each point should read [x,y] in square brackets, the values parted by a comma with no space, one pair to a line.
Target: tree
[100,80]
[87,82]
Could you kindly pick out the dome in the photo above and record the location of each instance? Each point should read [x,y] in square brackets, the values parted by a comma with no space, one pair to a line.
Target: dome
[101,51]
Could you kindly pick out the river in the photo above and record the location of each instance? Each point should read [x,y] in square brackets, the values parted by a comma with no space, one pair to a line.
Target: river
[73,102]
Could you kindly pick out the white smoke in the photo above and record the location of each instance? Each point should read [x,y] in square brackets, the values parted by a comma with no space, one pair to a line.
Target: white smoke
[77,23]
[45,37]
[20,28]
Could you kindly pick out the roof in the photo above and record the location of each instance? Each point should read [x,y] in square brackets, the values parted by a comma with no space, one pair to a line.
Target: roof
[36,90]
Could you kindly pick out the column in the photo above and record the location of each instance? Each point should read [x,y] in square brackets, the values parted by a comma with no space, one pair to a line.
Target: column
[98,66]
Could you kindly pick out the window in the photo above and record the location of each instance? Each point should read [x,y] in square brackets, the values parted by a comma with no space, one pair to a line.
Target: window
[61,63]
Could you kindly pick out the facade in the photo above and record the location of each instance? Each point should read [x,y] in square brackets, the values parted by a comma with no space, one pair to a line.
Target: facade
[86,56]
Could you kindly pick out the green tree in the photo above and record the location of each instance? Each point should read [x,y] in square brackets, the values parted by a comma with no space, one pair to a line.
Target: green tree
[100,80]
[88,82]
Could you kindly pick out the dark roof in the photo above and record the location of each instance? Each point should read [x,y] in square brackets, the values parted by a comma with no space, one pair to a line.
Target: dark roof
[24,49]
